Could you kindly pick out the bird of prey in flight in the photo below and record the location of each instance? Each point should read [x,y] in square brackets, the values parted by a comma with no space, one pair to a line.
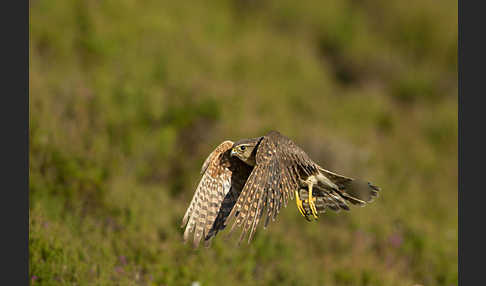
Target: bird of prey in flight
[251,179]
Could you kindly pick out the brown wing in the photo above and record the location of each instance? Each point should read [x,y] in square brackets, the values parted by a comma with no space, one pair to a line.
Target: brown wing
[222,180]
[333,191]
[280,165]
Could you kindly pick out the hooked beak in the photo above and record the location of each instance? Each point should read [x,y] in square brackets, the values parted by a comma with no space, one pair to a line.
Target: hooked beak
[233,152]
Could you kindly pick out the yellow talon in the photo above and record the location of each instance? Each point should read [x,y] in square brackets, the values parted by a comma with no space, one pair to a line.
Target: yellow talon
[298,201]
[312,205]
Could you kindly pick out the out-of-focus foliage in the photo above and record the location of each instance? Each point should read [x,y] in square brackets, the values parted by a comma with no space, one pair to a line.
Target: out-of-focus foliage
[127,98]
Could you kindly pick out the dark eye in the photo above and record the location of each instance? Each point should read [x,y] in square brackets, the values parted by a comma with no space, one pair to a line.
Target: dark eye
[242,148]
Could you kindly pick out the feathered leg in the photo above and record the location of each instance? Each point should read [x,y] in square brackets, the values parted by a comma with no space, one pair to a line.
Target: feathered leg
[312,200]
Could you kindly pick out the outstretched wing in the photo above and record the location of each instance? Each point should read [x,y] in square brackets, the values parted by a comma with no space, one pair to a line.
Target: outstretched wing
[279,167]
[333,191]
[222,179]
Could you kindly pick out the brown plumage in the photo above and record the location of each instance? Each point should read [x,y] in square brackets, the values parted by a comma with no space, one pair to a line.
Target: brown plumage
[222,181]
[254,178]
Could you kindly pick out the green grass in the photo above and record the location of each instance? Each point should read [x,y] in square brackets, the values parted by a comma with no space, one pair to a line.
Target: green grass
[127,98]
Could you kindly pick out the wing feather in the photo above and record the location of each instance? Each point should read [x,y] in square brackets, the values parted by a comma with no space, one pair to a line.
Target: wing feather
[232,190]
[222,180]
[271,183]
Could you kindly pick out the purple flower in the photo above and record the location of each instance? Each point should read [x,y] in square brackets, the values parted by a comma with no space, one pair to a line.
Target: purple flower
[119,269]
[396,239]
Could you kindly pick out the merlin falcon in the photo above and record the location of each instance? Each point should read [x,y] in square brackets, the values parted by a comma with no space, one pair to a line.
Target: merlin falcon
[251,179]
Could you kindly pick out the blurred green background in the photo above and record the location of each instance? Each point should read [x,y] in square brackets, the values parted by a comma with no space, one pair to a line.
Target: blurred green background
[127,98]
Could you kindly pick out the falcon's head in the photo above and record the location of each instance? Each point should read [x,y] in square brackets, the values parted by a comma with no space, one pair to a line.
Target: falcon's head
[245,150]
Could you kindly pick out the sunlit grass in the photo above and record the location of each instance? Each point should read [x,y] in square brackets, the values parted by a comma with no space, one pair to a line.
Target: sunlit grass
[128,98]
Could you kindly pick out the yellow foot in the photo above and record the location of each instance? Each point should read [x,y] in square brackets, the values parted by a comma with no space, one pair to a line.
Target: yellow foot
[312,205]
[298,201]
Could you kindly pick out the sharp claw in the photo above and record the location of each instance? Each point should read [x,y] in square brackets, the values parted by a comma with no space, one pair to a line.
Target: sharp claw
[300,206]
[314,210]
[307,219]
[304,213]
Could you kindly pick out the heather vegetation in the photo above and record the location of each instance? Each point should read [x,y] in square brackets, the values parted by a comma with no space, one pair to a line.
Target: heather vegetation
[127,98]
